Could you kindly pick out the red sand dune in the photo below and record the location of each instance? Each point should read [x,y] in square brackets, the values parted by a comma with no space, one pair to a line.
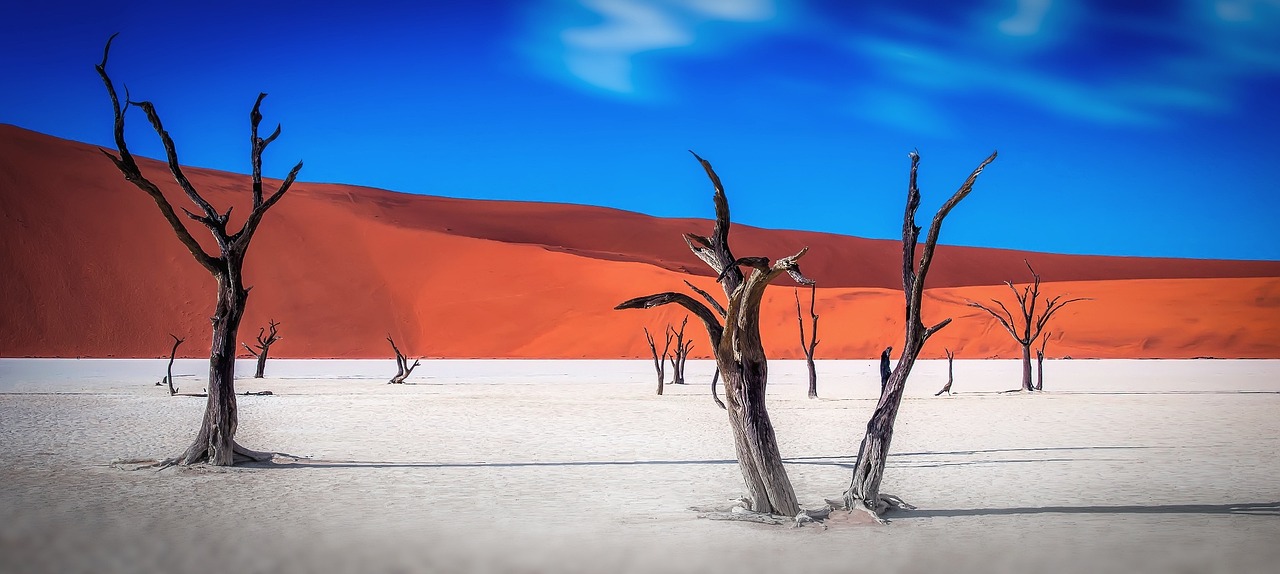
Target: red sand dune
[89,268]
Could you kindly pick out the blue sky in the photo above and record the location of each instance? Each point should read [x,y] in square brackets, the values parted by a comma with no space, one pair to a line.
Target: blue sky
[1124,127]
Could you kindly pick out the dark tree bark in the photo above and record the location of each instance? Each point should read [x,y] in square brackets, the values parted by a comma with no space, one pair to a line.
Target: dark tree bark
[809,346]
[659,361]
[1040,362]
[947,387]
[1032,324]
[864,491]
[215,441]
[885,368]
[403,368]
[168,378]
[681,353]
[264,345]
[739,353]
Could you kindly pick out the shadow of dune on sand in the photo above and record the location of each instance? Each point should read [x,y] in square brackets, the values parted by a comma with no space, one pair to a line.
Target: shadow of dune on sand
[1240,508]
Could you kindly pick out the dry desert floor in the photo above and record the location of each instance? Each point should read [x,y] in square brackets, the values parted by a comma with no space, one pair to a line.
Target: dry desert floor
[577,466]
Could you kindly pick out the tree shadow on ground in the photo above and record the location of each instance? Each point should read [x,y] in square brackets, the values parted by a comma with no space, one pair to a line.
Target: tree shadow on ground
[1240,508]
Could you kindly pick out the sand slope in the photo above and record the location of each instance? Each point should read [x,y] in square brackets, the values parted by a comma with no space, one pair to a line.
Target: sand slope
[89,268]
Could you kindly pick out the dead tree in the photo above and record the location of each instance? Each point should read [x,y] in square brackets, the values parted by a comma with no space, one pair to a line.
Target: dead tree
[812,343]
[680,355]
[719,309]
[947,387]
[168,378]
[659,361]
[403,368]
[1032,324]
[1040,362]
[215,441]
[264,344]
[885,368]
[739,353]
[864,491]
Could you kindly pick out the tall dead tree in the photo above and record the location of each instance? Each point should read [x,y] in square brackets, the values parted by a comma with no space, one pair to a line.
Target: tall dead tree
[215,441]
[739,353]
[809,346]
[1031,323]
[168,378]
[679,355]
[719,309]
[403,368]
[864,490]
[1040,362]
[947,387]
[659,361]
[264,344]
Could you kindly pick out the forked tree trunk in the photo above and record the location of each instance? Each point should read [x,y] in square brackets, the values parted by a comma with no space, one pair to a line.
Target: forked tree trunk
[864,489]
[739,353]
[885,368]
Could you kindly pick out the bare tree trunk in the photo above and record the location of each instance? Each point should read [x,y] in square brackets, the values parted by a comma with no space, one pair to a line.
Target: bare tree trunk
[947,388]
[1040,362]
[885,368]
[739,352]
[1026,368]
[659,361]
[864,489]
[215,442]
[168,379]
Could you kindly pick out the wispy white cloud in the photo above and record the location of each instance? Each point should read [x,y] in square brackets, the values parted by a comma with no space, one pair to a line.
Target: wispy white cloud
[1222,44]
[601,54]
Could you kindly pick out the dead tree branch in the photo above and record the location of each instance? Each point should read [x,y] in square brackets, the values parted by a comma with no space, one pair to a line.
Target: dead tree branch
[947,387]
[403,368]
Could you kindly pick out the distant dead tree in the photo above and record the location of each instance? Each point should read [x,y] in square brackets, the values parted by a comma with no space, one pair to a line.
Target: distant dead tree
[659,361]
[947,387]
[812,343]
[719,309]
[215,442]
[264,344]
[885,368]
[680,355]
[403,368]
[864,491]
[1040,362]
[1031,323]
[168,378]
[739,353]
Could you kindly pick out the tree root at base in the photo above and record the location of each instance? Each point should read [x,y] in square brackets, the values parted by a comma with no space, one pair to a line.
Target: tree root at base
[241,455]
